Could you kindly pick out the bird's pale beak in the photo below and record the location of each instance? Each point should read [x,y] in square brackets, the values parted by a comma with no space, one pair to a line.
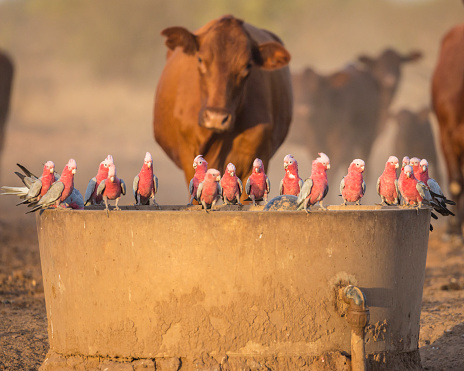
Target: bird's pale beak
[149,165]
[328,166]
[218,178]
[362,168]
[73,171]
[52,170]
[424,168]
[112,179]
[397,166]
[194,165]
[285,165]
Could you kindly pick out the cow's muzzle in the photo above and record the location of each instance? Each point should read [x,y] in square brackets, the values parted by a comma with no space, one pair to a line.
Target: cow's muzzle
[216,119]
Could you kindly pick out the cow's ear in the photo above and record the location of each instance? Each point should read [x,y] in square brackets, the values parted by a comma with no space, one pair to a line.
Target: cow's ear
[412,56]
[179,36]
[271,55]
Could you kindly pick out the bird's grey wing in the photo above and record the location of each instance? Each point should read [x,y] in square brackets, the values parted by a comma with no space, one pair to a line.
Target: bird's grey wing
[123,187]
[268,185]
[397,191]
[219,189]
[191,187]
[281,187]
[90,188]
[135,186]
[26,171]
[326,190]
[378,186]
[434,186]
[53,194]
[305,191]
[300,183]
[240,186]
[248,186]
[421,188]
[342,185]
[35,189]
[199,190]
[155,184]
[364,187]
[101,187]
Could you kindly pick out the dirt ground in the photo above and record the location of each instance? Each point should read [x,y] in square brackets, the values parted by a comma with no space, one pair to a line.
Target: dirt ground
[23,325]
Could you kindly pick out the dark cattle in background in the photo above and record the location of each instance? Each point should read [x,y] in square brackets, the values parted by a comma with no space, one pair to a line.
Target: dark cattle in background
[414,137]
[448,105]
[6,78]
[225,93]
[341,114]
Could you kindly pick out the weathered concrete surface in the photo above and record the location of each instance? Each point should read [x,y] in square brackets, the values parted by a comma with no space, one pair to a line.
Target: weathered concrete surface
[237,285]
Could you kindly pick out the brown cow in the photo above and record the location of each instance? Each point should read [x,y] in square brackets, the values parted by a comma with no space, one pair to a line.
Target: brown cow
[342,113]
[448,104]
[225,93]
[6,78]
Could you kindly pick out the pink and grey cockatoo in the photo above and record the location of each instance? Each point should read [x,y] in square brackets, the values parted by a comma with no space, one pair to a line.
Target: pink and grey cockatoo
[387,184]
[60,190]
[111,188]
[353,186]
[415,164]
[402,175]
[91,197]
[439,200]
[291,183]
[231,185]
[316,187]
[74,200]
[35,187]
[145,183]
[258,185]
[209,189]
[413,191]
[200,166]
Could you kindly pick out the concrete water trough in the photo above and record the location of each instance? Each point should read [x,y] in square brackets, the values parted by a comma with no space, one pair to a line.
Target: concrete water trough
[180,289]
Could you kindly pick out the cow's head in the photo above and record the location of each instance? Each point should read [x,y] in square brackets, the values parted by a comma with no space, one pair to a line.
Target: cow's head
[225,55]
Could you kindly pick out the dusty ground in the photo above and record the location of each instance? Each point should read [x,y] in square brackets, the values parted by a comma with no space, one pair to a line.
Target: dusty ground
[23,325]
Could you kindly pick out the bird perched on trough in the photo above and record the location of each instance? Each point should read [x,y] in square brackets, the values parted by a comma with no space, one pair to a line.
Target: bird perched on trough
[258,185]
[316,187]
[145,183]
[231,185]
[291,183]
[200,166]
[402,175]
[111,188]
[436,194]
[91,197]
[35,187]
[60,190]
[75,200]
[414,163]
[387,184]
[209,189]
[413,191]
[353,186]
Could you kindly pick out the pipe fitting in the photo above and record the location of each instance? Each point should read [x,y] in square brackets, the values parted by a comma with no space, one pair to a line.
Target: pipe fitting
[357,317]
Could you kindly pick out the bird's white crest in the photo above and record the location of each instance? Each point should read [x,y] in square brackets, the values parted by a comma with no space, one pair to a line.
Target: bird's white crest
[323,158]
[50,164]
[215,173]
[288,158]
[408,170]
[198,160]
[424,163]
[405,160]
[112,171]
[72,164]
[358,162]
[257,163]
[109,159]
[414,161]
[231,168]
[393,159]
[148,157]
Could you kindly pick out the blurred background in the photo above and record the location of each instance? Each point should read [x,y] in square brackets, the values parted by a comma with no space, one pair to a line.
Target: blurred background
[86,72]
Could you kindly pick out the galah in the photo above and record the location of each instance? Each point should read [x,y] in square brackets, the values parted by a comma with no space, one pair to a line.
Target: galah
[60,190]
[209,189]
[415,164]
[404,163]
[145,184]
[111,188]
[316,187]
[258,185]
[413,191]
[436,193]
[387,184]
[352,186]
[91,197]
[231,185]
[35,187]
[200,166]
[291,183]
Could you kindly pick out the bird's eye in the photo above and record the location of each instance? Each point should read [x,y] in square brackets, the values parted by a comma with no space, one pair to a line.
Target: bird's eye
[106,165]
